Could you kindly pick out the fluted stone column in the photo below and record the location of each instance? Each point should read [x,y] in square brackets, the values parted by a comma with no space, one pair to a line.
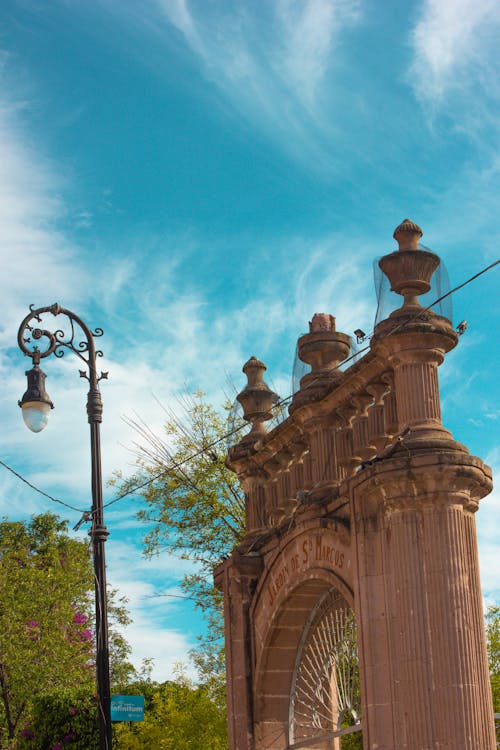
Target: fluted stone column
[423,665]
[363,450]
[377,434]
[345,450]
[255,499]
[321,435]
[236,579]
[391,422]
[423,653]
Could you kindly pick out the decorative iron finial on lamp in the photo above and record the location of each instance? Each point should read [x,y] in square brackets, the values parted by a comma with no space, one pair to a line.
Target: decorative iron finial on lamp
[257,400]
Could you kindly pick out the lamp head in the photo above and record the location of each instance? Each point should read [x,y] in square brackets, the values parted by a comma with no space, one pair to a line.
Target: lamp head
[35,403]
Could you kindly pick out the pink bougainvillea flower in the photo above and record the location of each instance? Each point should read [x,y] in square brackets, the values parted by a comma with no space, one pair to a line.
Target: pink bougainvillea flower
[79,618]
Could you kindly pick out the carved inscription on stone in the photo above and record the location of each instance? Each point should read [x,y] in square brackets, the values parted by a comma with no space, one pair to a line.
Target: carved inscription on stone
[312,549]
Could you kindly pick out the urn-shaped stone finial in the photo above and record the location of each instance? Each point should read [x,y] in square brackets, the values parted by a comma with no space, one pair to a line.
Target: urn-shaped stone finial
[409,269]
[407,235]
[323,348]
[257,399]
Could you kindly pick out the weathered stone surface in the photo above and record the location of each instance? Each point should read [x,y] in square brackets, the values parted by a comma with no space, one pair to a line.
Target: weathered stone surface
[363,491]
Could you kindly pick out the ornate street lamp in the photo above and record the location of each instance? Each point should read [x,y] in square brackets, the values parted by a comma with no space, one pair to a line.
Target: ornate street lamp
[36,406]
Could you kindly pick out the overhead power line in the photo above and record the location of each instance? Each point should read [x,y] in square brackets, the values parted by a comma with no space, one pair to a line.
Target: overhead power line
[281,402]
[173,467]
[37,489]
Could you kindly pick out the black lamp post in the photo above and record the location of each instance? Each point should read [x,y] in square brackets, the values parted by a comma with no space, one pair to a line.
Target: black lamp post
[36,406]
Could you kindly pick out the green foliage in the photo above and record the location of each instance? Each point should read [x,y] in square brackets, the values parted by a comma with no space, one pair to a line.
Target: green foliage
[47,632]
[121,671]
[66,718]
[493,642]
[195,510]
[178,716]
[45,602]
[352,741]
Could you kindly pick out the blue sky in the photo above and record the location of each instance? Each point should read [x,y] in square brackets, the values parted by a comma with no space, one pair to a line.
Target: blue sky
[199,179]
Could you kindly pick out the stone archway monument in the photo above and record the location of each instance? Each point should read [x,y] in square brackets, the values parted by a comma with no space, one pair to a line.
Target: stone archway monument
[354,602]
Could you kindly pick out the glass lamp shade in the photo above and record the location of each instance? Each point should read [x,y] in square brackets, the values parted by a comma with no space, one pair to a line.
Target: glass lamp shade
[36,415]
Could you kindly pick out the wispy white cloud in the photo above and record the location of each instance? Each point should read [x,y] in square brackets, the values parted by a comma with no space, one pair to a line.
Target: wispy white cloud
[151,634]
[39,262]
[455,48]
[154,602]
[36,257]
[160,568]
[168,647]
[41,265]
[270,60]
[199,332]
[309,32]
[13,497]
[296,50]
[488,527]
[472,202]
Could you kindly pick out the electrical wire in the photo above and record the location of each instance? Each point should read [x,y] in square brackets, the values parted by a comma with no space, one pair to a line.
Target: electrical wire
[439,299]
[283,401]
[199,600]
[240,427]
[37,489]
[175,466]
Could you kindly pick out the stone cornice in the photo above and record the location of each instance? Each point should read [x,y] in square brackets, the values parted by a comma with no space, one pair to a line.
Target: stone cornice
[355,379]
[418,479]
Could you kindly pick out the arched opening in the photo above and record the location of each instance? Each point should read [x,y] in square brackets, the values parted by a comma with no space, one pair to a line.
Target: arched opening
[324,697]
[307,690]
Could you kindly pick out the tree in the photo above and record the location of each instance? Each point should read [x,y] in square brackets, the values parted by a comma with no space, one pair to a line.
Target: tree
[493,643]
[121,670]
[45,604]
[195,508]
[47,635]
[63,718]
[178,715]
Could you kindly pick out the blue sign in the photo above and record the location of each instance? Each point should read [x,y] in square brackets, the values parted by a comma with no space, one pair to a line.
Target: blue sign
[127,708]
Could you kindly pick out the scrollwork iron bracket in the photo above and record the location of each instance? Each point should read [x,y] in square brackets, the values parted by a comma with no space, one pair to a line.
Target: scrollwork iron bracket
[38,342]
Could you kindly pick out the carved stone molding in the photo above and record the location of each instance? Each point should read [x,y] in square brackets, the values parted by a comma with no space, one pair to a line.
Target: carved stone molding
[399,484]
[362,490]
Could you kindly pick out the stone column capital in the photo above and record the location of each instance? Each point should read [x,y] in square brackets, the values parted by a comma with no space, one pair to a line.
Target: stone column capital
[417,340]
[422,481]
